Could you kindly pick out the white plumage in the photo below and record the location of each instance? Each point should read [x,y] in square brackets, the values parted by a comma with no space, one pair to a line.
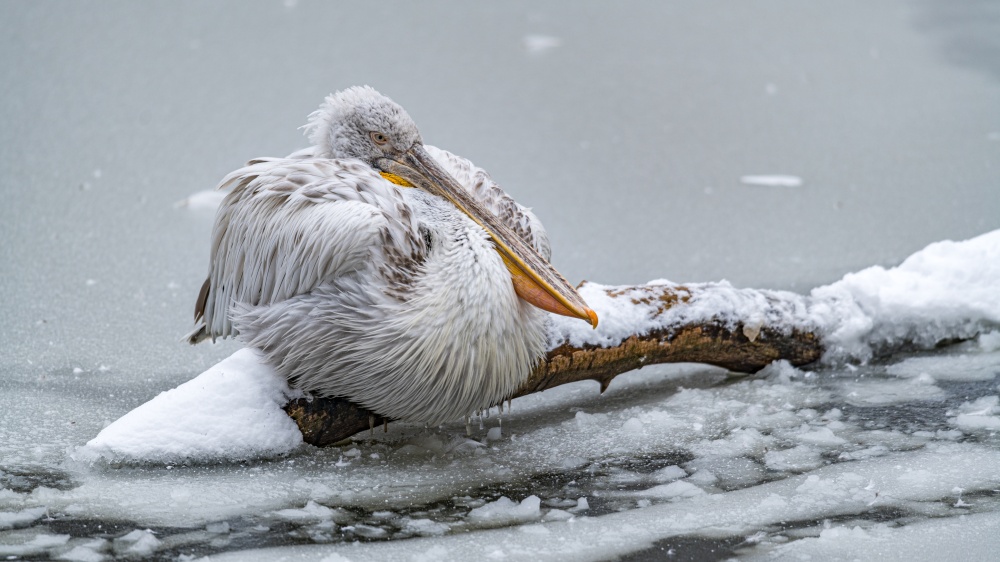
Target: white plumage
[355,287]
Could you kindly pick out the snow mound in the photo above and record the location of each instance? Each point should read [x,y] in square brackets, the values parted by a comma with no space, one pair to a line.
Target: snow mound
[947,290]
[231,411]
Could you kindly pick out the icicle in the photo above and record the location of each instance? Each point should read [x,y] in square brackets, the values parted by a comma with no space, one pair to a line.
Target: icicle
[371,426]
[468,425]
[385,425]
[480,420]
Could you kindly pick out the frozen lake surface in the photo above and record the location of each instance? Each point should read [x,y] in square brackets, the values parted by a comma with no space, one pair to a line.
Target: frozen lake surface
[631,130]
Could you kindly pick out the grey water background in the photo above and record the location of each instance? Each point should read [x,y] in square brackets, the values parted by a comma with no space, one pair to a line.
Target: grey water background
[628,138]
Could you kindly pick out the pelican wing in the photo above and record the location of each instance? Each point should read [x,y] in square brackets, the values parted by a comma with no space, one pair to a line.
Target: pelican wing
[291,224]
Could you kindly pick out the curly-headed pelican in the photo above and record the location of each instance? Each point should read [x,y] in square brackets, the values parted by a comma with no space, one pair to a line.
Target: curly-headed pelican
[378,269]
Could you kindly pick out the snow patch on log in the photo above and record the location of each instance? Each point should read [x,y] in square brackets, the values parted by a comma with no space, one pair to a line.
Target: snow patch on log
[661,305]
[948,290]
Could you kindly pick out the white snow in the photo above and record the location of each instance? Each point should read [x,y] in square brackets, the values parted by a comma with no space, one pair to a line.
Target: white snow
[947,290]
[772,180]
[231,411]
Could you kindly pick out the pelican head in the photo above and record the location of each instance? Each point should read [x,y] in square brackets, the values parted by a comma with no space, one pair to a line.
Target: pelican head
[361,123]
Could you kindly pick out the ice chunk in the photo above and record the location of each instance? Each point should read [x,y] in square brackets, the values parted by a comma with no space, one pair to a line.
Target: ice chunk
[672,491]
[311,512]
[980,414]
[81,554]
[796,459]
[668,474]
[425,527]
[822,436]
[504,511]
[137,543]
[878,393]
[13,519]
[369,531]
[557,515]
[971,367]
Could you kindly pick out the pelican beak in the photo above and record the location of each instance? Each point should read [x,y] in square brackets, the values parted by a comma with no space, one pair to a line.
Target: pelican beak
[534,278]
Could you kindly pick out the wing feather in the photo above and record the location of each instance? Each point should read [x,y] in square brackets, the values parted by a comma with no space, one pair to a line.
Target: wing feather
[287,226]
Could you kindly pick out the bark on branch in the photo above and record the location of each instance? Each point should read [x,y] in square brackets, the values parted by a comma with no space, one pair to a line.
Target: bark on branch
[774,330]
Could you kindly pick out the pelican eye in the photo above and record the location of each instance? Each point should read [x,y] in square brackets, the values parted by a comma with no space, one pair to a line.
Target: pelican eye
[378,138]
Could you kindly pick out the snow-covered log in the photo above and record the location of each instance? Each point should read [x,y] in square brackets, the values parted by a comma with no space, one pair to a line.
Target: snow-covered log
[949,291]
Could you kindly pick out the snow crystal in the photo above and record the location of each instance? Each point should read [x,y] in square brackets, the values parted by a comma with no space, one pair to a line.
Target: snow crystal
[230,411]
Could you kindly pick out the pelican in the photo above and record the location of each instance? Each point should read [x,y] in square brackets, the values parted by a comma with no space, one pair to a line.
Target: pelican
[381,270]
